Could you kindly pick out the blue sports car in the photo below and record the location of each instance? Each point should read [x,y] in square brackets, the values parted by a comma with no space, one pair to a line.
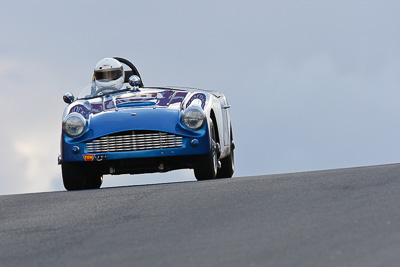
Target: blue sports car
[118,126]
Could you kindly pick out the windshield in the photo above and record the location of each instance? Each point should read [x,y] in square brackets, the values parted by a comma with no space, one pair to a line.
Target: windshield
[91,90]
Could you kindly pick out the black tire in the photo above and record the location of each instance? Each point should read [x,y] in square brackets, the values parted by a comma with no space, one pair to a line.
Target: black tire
[228,163]
[76,178]
[206,166]
[94,181]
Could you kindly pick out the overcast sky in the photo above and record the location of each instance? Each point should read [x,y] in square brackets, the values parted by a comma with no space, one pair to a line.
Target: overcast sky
[313,84]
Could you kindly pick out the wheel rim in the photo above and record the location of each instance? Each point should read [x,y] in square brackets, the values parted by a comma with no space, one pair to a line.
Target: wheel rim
[215,160]
[214,151]
[233,159]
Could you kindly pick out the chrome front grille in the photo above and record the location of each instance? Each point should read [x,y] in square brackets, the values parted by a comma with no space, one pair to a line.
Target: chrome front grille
[133,141]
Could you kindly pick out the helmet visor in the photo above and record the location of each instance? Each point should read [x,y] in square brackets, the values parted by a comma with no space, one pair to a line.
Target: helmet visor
[108,74]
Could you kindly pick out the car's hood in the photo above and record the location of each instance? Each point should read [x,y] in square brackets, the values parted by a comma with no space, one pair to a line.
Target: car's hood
[157,110]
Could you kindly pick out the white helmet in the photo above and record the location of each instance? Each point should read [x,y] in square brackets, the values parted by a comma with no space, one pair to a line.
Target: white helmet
[109,73]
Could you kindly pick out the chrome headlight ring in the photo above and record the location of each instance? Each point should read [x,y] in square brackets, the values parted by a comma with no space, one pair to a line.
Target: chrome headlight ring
[74,125]
[194,118]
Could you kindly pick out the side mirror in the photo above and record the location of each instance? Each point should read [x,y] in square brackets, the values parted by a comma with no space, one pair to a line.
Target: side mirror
[134,81]
[68,98]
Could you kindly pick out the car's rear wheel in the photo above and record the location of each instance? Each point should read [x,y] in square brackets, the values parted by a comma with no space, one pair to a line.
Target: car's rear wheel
[206,166]
[228,163]
[76,178]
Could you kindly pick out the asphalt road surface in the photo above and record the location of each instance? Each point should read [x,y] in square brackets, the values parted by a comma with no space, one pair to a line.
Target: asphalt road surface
[346,217]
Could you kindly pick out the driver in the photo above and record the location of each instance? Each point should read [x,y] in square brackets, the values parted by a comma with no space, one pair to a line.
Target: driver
[108,75]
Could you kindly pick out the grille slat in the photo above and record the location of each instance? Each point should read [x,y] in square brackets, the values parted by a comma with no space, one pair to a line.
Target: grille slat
[131,141]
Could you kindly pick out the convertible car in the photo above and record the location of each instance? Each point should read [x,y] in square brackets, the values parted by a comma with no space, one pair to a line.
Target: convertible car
[132,129]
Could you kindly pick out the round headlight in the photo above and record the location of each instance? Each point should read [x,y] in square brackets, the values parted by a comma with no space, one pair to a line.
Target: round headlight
[74,125]
[194,118]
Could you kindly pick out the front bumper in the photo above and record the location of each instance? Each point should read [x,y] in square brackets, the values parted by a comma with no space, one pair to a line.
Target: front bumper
[77,152]
[136,162]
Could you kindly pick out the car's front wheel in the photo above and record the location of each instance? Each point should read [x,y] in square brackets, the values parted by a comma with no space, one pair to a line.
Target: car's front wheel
[76,178]
[228,163]
[206,166]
